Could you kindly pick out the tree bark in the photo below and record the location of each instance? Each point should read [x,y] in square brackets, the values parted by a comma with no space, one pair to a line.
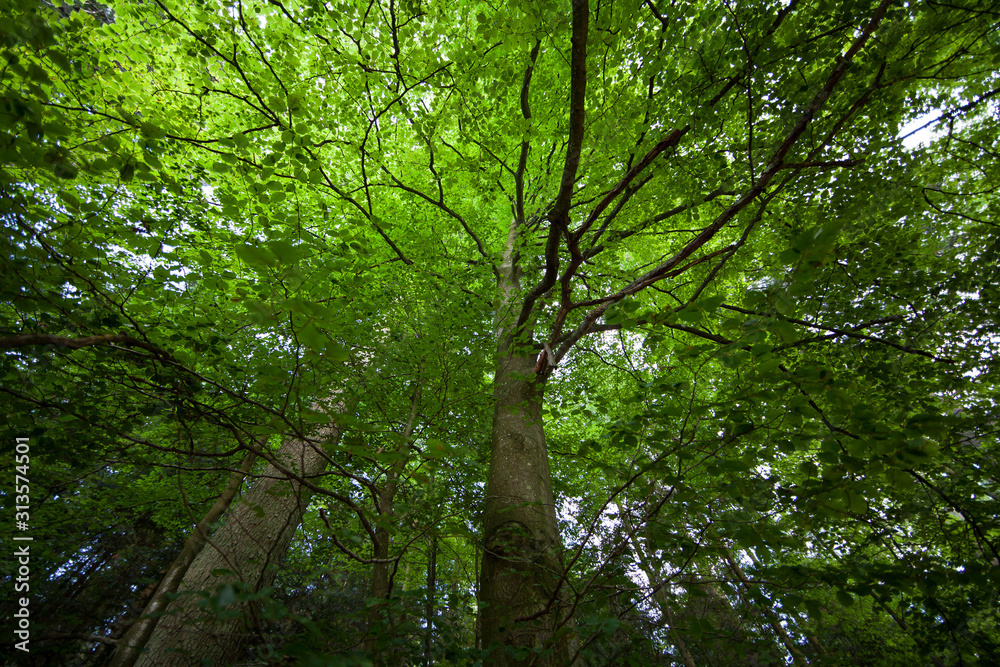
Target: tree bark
[130,646]
[522,560]
[431,593]
[520,585]
[732,644]
[250,545]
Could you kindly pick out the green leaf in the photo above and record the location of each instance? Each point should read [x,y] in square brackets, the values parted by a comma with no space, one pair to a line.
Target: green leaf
[845,598]
[255,256]
[38,74]
[284,250]
[152,131]
[784,305]
[784,330]
[312,337]
[690,315]
[900,480]
[65,170]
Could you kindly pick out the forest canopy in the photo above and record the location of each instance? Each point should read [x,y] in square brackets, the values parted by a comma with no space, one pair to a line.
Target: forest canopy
[556,332]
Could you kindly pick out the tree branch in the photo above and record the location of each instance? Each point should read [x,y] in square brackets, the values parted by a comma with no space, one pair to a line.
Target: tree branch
[526,114]
[439,203]
[558,215]
[849,333]
[669,141]
[635,229]
[577,111]
[24,340]
[758,188]
[827,164]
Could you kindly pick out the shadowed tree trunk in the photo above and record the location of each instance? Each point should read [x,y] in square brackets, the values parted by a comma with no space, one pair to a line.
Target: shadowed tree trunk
[431,592]
[797,657]
[138,634]
[659,590]
[383,567]
[523,596]
[249,546]
[522,561]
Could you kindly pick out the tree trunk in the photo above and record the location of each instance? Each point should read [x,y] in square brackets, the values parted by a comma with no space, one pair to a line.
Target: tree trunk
[659,591]
[730,644]
[522,560]
[520,587]
[797,657]
[250,545]
[379,622]
[130,646]
[431,593]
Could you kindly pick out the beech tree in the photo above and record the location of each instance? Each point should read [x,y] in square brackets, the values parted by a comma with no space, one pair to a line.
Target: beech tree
[732,325]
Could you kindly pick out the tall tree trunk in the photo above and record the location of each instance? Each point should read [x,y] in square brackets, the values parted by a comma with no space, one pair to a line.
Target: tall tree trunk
[130,646]
[521,587]
[733,644]
[659,590]
[522,560]
[478,641]
[250,545]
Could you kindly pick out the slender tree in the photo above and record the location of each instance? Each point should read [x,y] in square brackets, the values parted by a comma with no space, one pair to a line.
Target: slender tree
[129,647]
[241,557]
